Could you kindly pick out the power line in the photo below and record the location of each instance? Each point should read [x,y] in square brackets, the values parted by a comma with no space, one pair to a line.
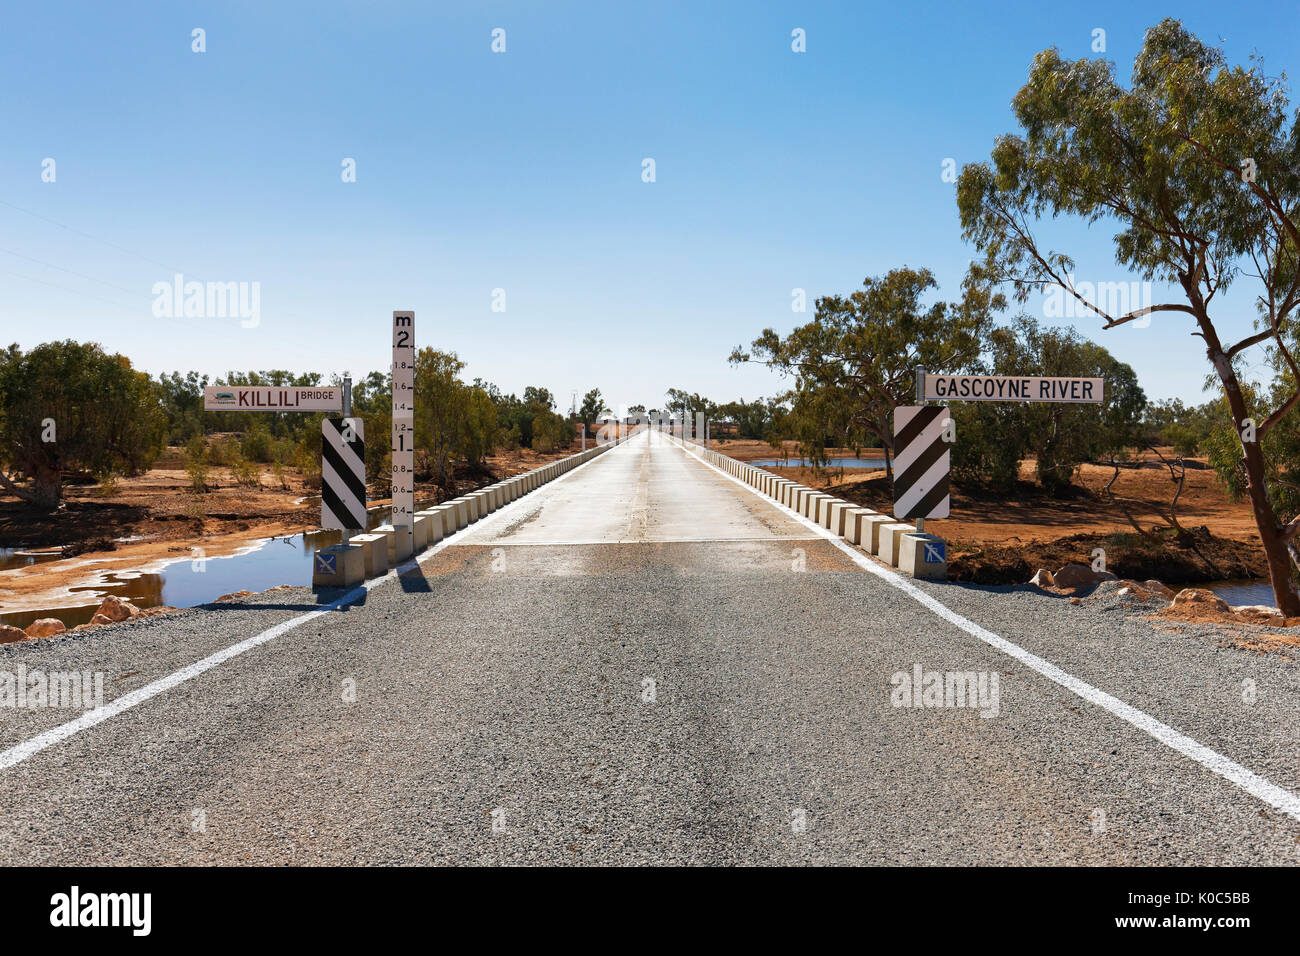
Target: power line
[111,245]
[55,285]
[80,275]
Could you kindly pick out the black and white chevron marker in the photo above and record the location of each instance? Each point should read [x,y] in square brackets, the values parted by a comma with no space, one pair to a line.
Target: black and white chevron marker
[921,462]
[343,474]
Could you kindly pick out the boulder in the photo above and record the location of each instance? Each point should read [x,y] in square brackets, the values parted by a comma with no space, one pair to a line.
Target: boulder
[1260,614]
[1043,579]
[116,609]
[1200,599]
[11,635]
[1080,576]
[98,619]
[1132,588]
[46,627]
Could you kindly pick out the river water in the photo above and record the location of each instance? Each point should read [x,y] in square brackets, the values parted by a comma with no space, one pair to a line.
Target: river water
[1243,592]
[834,463]
[190,580]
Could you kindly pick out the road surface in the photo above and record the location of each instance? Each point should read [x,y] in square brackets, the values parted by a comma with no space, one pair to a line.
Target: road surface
[646,662]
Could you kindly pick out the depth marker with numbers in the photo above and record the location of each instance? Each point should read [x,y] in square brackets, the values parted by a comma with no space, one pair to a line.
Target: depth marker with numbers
[403,421]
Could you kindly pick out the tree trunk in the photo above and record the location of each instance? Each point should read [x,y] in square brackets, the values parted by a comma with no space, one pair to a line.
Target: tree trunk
[1266,522]
[46,491]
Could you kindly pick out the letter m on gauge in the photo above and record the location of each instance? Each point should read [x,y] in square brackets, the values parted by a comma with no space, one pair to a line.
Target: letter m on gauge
[343,474]
[921,462]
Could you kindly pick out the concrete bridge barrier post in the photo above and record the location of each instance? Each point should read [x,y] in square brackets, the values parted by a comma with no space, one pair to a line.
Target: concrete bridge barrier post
[923,555]
[891,540]
[338,566]
[374,550]
[419,533]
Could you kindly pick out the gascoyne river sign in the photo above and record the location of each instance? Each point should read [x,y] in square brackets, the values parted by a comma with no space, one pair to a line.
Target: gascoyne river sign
[234,398]
[1010,388]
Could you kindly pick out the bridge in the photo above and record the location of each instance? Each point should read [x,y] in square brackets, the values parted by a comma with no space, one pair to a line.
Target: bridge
[648,658]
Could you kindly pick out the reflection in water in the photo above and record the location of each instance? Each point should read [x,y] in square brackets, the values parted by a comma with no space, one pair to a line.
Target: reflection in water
[21,557]
[804,463]
[1244,592]
[191,580]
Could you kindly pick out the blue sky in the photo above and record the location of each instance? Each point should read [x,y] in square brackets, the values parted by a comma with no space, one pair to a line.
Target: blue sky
[521,171]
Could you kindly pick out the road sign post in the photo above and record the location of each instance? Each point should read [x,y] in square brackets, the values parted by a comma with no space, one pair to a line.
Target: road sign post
[342,501]
[240,398]
[1008,388]
[347,413]
[922,457]
[343,475]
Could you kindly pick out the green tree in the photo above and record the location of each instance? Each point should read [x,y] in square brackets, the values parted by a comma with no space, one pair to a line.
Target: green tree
[592,408]
[182,403]
[754,420]
[992,437]
[438,406]
[1198,164]
[66,407]
[452,420]
[856,361]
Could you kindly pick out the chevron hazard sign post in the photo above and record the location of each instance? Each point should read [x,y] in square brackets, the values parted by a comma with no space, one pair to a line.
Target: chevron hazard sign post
[921,461]
[343,474]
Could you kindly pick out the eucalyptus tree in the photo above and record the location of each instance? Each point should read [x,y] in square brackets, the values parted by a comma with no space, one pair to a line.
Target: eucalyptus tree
[1197,164]
[68,407]
[855,362]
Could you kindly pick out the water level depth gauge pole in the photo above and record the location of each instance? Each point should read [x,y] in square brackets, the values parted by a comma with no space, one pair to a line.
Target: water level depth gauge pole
[920,400]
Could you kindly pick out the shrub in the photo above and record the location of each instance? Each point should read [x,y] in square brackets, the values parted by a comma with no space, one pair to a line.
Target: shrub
[196,464]
[308,463]
[281,479]
[108,485]
[256,444]
[223,450]
[245,473]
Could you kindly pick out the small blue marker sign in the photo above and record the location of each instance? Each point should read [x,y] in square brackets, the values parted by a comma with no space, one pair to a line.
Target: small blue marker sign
[935,552]
[328,563]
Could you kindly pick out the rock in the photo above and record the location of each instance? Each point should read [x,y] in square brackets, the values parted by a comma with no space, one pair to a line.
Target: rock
[46,627]
[1259,614]
[1080,576]
[12,635]
[233,595]
[1200,599]
[1155,587]
[1075,600]
[99,619]
[1043,579]
[1127,588]
[116,609]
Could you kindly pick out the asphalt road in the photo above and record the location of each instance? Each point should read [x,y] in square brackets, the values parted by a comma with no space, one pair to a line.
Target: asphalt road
[645,662]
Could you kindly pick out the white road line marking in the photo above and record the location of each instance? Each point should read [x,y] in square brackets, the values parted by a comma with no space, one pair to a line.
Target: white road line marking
[507,543]
[48,738]
[1257,786]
